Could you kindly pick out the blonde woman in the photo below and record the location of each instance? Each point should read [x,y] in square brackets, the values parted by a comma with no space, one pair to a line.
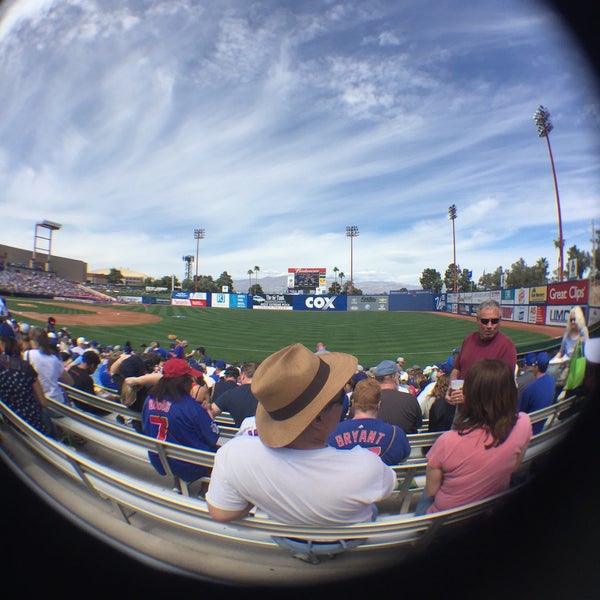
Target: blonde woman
[575,331]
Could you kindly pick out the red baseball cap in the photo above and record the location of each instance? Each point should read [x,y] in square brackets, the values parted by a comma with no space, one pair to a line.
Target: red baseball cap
[177,367]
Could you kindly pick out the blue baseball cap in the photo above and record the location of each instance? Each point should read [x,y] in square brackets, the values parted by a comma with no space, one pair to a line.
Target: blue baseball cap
[530,359]
[542,360]
[385,367]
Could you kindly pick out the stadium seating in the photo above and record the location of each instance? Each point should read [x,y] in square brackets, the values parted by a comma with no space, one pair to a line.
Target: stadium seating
[103,481]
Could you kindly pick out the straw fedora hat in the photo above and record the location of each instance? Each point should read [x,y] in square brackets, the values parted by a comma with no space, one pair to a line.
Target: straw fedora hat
[293,386]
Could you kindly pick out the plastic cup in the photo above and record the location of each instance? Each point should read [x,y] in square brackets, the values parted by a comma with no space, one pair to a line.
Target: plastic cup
[456,384]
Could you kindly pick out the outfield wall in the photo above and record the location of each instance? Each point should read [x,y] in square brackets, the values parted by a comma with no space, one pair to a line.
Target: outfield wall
[537,305]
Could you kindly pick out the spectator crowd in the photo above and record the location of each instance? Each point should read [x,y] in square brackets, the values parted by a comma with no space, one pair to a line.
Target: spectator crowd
[318,432]
[37,283]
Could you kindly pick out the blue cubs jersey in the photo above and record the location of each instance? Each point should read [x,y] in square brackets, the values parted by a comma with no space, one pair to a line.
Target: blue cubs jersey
[183,422]
[388,441]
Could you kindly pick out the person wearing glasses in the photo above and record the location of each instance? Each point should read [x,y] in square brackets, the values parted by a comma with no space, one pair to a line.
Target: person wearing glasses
[487,342]
[575,331]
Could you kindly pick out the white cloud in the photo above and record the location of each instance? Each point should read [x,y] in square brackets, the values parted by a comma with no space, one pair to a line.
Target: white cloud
[274,127]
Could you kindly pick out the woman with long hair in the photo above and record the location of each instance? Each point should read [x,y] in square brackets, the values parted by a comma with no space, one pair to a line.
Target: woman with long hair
[20,388]
[487,442]
[575,331]
[171,414]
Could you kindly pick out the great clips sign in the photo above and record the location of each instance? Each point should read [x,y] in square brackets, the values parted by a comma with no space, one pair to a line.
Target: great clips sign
[572,292]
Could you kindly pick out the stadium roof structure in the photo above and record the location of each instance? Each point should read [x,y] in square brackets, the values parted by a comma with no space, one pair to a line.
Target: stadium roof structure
[127,273]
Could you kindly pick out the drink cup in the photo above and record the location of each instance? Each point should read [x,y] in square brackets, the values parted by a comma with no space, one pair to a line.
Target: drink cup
[456,384]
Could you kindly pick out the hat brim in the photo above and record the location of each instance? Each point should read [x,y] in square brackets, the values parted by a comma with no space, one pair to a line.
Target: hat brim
[275,433]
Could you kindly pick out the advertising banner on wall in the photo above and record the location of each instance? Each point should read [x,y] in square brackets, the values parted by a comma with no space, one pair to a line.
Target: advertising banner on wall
[507,312]
[199,299]
[367,303]
[521,313]
[571,292]
[219,300]
[439,302]
[320,303]
[273,301]
[537,315]
[238,301]
[469,310]
[508,297]
[522,296]
[411,300]
[182,298]
[559,314]
[538,294]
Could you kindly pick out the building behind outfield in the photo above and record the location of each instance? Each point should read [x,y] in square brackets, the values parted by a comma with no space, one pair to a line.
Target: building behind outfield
[18,258]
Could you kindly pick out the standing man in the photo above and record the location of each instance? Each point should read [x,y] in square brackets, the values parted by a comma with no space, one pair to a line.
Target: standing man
[487,342]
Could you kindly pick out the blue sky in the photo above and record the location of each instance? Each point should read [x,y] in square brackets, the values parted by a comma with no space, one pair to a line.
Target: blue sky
[275,124]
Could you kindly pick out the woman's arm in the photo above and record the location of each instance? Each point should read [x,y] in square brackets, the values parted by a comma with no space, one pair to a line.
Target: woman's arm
[520,458]
[114,368]
[38,392]
[433,481]
[65,377]
[146,379]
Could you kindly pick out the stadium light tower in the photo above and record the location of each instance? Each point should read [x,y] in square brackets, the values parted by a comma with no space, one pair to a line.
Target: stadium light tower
[452,216]
[44,244]
[351,232]
[188,259]
[198,235]
[544,127]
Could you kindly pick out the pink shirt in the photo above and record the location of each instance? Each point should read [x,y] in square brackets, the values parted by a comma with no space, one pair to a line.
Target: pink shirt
[470,471]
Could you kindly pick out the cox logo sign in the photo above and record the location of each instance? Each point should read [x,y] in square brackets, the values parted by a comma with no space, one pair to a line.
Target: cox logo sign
[320,302]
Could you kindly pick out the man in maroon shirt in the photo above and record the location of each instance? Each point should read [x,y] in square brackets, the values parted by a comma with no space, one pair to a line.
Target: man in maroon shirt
[487,342]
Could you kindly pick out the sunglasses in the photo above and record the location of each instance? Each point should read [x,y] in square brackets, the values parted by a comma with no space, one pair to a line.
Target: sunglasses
[572,320]
[494,321]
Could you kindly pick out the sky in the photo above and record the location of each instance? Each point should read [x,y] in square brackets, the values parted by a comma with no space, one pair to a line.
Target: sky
[275,124]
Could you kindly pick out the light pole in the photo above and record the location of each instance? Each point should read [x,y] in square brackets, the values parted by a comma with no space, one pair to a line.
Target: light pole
[44,246]
[544,127]
[452,217]
[351,232]
[188,259]
[198,235]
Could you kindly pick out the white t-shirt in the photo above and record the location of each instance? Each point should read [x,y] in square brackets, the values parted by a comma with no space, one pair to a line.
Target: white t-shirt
[425,398]
[324,486]
[49,368]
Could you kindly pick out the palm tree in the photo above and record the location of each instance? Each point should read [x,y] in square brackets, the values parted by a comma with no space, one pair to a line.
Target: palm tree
[341,278]
[256,270]
[250,272]
[336,271]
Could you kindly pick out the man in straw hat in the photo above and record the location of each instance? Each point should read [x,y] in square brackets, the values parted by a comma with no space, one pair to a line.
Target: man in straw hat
[288,470]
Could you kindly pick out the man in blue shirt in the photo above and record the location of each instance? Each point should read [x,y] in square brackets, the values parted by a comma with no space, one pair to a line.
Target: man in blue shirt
[540,393]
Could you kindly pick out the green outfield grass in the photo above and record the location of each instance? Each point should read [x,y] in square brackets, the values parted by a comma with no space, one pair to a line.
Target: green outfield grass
[239,335]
